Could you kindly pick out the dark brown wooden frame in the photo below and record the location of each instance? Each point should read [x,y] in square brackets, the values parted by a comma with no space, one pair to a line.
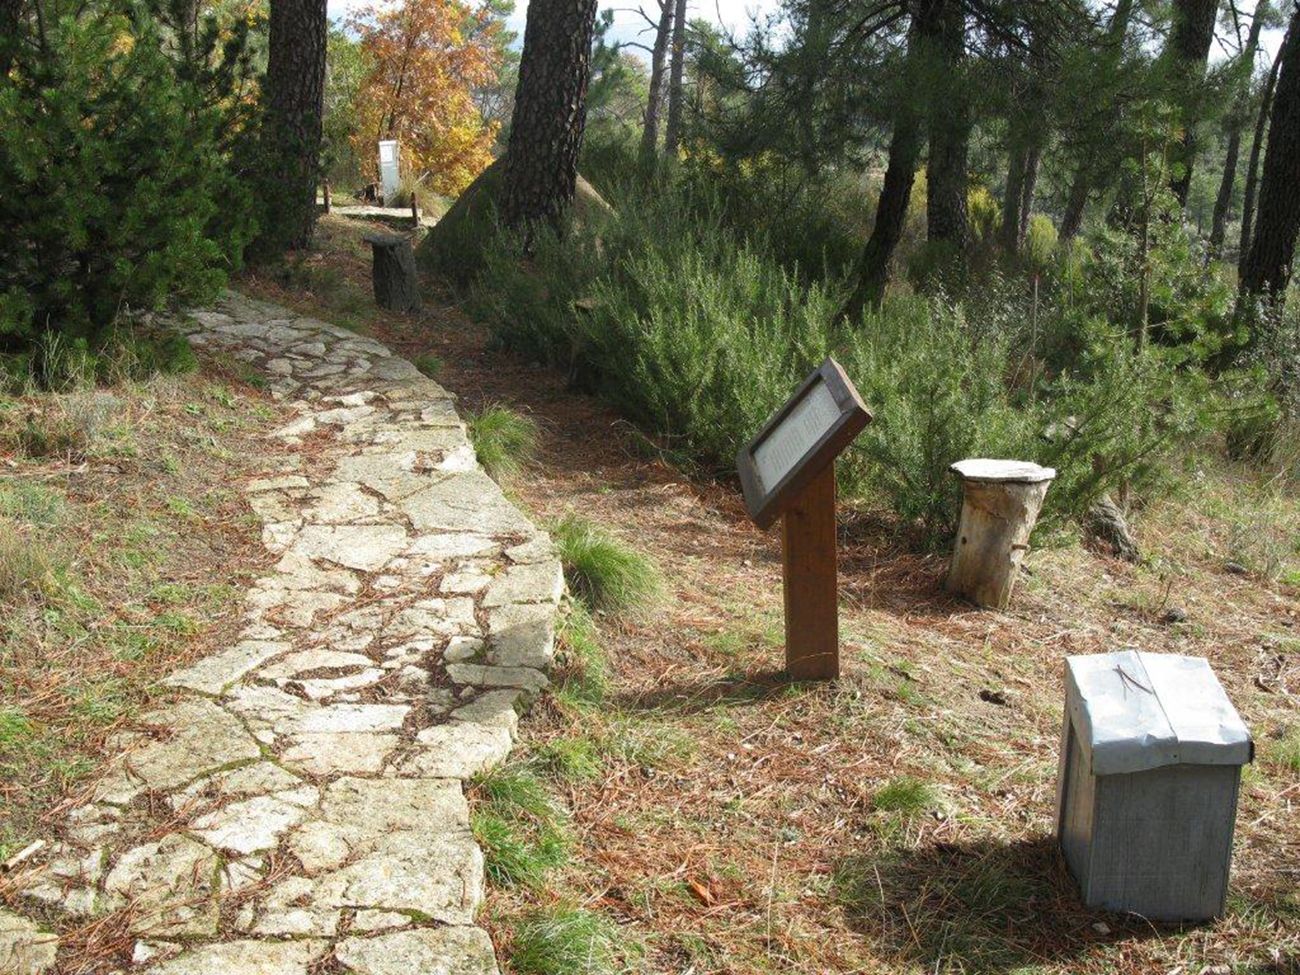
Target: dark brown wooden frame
[765,508]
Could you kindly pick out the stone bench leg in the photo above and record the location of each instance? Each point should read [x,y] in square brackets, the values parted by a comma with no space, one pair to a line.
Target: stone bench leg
[1000,505]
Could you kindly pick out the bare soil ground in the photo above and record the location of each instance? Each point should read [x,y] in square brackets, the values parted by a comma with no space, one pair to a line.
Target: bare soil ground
[900,819]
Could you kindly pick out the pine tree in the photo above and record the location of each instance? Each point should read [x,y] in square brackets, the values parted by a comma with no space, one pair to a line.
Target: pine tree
[295,98]
[1268,267]
[541,164]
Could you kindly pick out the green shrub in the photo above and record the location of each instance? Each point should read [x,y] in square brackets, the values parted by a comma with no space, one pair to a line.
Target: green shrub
[503,440]
[537,306]
[698,335]
[601,570]
[116,194]
[938,394]
[1190,304]
[1040,242]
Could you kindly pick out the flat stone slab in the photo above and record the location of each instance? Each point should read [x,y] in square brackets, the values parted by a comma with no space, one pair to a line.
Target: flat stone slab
[169,884]
[213,674]
[345,752]
[198,737]
[253,825]
[1010,471]
[459,750]
[24,948]
[246,958]
[439,951]
[344,718]
[365,547]
[521,635]
[536,582]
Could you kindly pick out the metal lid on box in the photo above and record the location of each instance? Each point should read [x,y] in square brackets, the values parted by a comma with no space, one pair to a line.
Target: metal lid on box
[1135,711]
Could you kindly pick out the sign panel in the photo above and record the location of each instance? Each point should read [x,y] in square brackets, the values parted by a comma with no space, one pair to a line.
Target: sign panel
[390,176]
[800,439]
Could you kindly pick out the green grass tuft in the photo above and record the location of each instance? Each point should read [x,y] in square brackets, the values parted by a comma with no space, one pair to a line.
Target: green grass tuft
[513,857]
[570,759]
[565,941]
[430,364]
[31,503]
[584,677]
[16,729]
[601,570]
[904,795]
[523,832]
[1286,751]
[25,566]
[504,440]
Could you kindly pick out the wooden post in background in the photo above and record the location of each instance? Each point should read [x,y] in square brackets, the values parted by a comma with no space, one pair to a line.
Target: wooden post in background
[812,631]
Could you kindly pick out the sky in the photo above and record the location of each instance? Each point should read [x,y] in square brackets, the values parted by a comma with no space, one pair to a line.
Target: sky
[734,15]
[731,14]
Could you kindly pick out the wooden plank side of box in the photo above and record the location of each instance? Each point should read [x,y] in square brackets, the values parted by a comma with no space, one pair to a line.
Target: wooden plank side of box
[1161,841]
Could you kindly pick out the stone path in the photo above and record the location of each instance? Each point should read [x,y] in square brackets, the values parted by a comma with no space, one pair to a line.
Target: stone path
[297,805]
[398,215]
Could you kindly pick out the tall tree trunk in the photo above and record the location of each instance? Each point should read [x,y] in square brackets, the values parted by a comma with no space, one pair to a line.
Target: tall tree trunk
[1075,206]
[541,165]
[676,96]
[1240,113]
[295,84]
[1252,168]
[1268,267]
[10,15]
[1189,47]
[1081,187]
[1013,198]
[904,153]
[650,133]
[1028,131]
[950,122]
[1033,159]
[891,213]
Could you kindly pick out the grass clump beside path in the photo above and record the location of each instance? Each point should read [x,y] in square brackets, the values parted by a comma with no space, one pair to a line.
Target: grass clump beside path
[565,941]
[604,572]
[505,441]
[522,829]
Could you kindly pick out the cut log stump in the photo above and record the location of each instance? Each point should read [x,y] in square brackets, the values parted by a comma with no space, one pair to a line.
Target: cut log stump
[1000,504]
[397,287]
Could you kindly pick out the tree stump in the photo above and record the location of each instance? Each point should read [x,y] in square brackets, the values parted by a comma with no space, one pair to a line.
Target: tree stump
[1000,504]
[396,286]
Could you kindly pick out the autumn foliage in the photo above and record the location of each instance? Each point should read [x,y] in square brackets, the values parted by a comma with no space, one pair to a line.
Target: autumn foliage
[427,57]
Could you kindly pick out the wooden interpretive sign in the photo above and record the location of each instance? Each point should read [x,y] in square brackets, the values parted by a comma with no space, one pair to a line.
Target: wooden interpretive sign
[788,472]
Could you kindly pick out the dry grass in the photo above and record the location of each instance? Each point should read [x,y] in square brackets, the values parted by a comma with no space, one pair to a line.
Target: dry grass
[738,824]
[124,547]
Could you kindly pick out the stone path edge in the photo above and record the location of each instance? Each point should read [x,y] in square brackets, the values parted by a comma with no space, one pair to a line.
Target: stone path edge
[297,803]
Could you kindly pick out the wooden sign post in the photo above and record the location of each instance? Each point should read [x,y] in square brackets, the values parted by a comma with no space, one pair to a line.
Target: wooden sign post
[788,472]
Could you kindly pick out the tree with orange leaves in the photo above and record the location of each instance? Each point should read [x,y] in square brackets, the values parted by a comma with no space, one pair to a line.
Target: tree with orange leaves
[428,57]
